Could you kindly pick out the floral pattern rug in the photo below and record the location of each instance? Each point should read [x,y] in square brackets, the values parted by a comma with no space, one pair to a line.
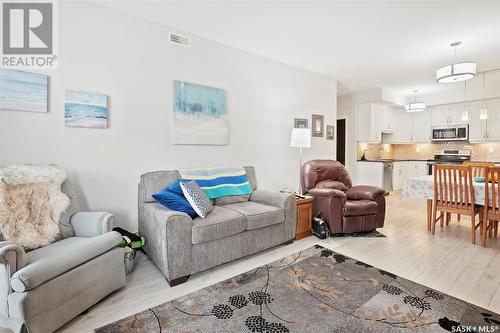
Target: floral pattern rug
[315,290]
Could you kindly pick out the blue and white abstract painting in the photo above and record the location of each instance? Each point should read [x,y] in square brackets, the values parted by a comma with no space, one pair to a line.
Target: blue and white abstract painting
[200,115]
[83,109]
[23,91]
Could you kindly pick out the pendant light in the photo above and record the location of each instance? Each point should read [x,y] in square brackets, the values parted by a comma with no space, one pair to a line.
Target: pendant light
[483,115]
[465,113]
[415,106]
[456,72]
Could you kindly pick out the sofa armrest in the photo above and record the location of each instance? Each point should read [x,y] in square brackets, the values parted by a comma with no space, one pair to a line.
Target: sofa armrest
[91,224]
[12,259]
[168,236]
[364,192]
[270,198]
[285,201]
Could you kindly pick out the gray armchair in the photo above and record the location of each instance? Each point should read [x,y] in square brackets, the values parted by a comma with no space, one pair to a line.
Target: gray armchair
[43,289]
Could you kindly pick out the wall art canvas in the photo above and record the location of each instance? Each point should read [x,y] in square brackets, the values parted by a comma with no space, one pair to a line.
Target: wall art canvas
[330,132]
[200,115]
[84,109]
[318,125]
[23,91]
[300,123]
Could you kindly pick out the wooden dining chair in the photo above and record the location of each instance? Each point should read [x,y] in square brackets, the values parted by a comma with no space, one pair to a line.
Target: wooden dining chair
[478,170]
[491,203]
[454,194]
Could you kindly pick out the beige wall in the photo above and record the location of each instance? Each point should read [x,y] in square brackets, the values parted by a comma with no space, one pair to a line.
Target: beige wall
[480,152]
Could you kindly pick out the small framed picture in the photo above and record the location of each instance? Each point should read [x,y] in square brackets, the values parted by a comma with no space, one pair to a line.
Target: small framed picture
[330,132]
[318,125]
[300,123]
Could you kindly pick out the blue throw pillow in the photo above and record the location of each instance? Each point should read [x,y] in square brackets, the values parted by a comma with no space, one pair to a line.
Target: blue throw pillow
[174,201]
[175,186]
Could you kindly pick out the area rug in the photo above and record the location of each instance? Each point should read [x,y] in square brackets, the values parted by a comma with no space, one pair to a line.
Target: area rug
[315,290]
[373,233]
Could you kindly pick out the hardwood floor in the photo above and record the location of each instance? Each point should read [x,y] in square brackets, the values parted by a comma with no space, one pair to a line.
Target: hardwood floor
[446,261]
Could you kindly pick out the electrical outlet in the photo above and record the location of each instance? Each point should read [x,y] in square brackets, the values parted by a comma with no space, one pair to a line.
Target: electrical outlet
[491,150]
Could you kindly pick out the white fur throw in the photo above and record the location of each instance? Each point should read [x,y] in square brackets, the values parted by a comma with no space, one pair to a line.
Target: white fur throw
[31,204]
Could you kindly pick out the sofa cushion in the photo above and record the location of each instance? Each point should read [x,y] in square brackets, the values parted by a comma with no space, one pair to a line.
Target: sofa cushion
[360,207]
[220,223]
[258,215]
[52,260]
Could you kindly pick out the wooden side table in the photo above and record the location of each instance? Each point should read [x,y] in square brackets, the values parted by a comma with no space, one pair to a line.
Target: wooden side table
[304,217]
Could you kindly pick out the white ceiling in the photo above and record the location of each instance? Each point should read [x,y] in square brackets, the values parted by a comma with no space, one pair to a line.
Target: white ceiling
[363,44]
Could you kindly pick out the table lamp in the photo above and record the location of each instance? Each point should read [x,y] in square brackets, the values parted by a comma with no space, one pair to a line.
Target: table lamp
[300,138]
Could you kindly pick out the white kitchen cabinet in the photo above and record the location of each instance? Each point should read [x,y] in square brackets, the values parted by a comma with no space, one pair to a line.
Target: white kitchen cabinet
[399,174]
[370,173]
[447,115]
[368,126]
[421,127]
[403,131]
[440,115]
[386,116]
[477,127]
[493,122]
[457,113]
[483,130]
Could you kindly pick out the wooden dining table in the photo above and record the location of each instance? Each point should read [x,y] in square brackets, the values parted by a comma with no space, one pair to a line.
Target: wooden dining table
[423,188]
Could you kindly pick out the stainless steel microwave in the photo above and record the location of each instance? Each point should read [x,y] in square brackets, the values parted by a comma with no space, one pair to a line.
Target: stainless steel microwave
[450,133]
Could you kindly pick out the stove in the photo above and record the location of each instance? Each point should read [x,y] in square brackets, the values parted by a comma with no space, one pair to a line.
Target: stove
[449,156]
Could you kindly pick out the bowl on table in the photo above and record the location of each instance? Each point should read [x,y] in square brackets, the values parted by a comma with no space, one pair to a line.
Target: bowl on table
[479,179]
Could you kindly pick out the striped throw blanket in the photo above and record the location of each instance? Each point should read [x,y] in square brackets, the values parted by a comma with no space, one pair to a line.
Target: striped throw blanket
[219,182]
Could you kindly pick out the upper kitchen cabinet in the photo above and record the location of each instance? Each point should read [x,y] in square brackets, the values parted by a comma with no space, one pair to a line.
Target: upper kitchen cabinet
[387,118]
[368,129]
[493,122]
[373,120]
[421,129]
[403,130]
[488,128]
[447,115]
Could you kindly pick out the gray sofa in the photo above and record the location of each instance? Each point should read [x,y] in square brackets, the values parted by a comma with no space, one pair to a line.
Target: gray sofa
[43,289]
[181,246]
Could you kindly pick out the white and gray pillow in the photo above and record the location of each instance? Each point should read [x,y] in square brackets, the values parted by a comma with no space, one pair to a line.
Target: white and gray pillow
[200,202]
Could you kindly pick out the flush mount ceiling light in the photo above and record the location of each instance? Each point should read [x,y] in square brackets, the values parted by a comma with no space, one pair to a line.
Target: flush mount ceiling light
[415,106]
[456,72]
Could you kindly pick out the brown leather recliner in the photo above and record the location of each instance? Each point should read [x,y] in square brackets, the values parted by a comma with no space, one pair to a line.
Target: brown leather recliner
[344,207]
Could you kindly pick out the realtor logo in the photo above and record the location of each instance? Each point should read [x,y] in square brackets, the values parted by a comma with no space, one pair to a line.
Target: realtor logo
[28,34]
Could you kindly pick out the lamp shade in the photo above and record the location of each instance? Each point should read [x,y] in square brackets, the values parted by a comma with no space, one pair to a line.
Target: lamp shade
[456,72]
[415,107]
[300,138]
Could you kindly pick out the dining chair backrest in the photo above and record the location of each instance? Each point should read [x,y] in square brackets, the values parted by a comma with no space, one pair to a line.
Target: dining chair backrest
[492,191]
[453,187]
[478,168]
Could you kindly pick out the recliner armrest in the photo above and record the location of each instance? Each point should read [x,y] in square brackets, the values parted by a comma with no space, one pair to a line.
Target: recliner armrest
[327,192]
[364,192]
[91,224]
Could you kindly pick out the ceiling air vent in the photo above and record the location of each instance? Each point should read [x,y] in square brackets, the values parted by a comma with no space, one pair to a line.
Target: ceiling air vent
[178,39]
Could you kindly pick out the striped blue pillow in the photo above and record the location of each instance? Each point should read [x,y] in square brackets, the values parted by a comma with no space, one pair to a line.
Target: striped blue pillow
[219,182]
